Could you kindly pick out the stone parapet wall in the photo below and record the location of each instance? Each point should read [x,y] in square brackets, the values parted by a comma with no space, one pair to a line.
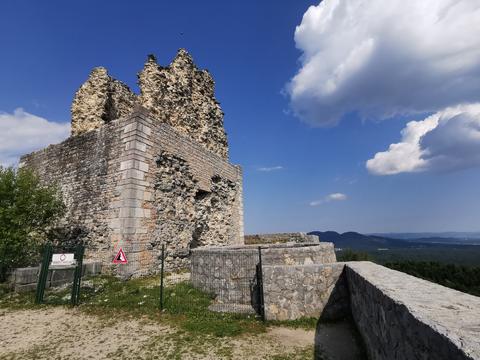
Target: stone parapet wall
[398,316]
[299,237]
[403,317]
[316,290]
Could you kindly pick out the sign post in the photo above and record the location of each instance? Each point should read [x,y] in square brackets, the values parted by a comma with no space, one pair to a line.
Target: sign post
[61,261]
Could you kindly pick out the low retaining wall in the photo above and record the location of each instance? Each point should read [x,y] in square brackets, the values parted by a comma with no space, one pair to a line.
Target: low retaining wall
[25,279]
[317,290]
[298,237]
[402,317]
[399,316]
[229,272]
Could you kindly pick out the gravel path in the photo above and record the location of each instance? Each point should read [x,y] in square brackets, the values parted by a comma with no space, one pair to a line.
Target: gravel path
[63,333]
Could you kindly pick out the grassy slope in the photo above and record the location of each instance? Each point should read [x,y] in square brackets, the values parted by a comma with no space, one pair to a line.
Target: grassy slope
[186,310]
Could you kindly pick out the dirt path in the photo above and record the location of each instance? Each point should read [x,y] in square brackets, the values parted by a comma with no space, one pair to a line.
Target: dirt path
[62,333]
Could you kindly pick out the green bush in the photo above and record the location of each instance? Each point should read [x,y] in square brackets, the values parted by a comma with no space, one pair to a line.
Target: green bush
[28,210]
[462,278]
[350,255]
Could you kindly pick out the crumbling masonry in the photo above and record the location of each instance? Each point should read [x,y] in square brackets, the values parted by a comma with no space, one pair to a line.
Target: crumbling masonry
[144,170]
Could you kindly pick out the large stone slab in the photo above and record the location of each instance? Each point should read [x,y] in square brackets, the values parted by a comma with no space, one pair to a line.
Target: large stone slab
[404,317]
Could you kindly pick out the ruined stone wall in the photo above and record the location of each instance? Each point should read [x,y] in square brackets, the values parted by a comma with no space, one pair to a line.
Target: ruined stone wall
[183,97]
[402,317]
[84,168]
[100,100]
[179,95]
[137,183]
[197,196]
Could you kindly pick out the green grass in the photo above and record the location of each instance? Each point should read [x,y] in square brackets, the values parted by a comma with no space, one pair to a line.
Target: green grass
[302,323]
[185,307]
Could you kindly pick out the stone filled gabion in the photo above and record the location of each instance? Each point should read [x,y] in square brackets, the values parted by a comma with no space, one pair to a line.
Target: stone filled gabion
[230,272]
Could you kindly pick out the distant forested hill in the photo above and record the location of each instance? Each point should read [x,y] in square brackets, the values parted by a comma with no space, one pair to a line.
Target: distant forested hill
[354,240]
[462,278]
[383,249]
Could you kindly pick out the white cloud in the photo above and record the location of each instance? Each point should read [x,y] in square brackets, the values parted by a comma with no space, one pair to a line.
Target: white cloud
[329,198]
[272,168]
[22,132]
[382,58]
[445,141]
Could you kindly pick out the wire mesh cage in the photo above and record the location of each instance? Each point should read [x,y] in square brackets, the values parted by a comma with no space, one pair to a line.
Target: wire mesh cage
[216,280]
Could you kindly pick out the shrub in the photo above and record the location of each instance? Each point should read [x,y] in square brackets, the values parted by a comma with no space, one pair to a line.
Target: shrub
[28,210]
[350,255]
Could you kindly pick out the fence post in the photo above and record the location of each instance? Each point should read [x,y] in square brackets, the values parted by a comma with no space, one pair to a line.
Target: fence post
[77,277]
[161,277]
[42,277]
[260,285]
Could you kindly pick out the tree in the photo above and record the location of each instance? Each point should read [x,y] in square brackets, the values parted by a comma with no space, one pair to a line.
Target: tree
[28,210]
[350,255]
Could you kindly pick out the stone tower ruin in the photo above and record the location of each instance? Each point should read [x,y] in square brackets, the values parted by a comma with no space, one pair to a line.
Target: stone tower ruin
[143,170]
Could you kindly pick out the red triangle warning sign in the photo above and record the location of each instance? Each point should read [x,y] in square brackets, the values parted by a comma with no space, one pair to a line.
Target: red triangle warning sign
[120,258]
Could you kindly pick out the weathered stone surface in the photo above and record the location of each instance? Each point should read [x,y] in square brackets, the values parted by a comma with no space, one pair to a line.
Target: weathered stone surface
[298,237]
[188,217]
[100,100]
[230,272]
[403,317]
[109,178]
[316,290]
[183,97]
[179,95]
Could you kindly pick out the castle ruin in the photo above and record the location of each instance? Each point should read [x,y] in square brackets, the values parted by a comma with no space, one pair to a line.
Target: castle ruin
[143,170]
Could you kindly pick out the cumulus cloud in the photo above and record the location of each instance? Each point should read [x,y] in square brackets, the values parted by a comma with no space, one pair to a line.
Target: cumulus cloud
[445,141]
[329,198]
[22,132]
[272,168]
[382,58]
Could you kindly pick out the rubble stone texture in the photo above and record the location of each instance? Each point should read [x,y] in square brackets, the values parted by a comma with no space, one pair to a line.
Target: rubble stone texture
[179,95]
[100,100]
[191,216]
[183,97]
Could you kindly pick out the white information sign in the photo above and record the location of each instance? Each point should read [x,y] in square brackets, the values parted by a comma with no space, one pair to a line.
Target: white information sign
[63,260]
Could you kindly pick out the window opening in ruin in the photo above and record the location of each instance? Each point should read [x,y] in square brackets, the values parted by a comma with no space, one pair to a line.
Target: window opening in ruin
[201,195]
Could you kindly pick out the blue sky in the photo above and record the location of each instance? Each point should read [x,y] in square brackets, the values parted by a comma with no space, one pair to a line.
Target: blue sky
[297,148]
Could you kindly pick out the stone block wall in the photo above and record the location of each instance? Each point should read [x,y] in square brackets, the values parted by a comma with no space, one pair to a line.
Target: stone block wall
[316,290]
[113,181]
[298,237]
[398,316]
[85,168]
[402,317]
